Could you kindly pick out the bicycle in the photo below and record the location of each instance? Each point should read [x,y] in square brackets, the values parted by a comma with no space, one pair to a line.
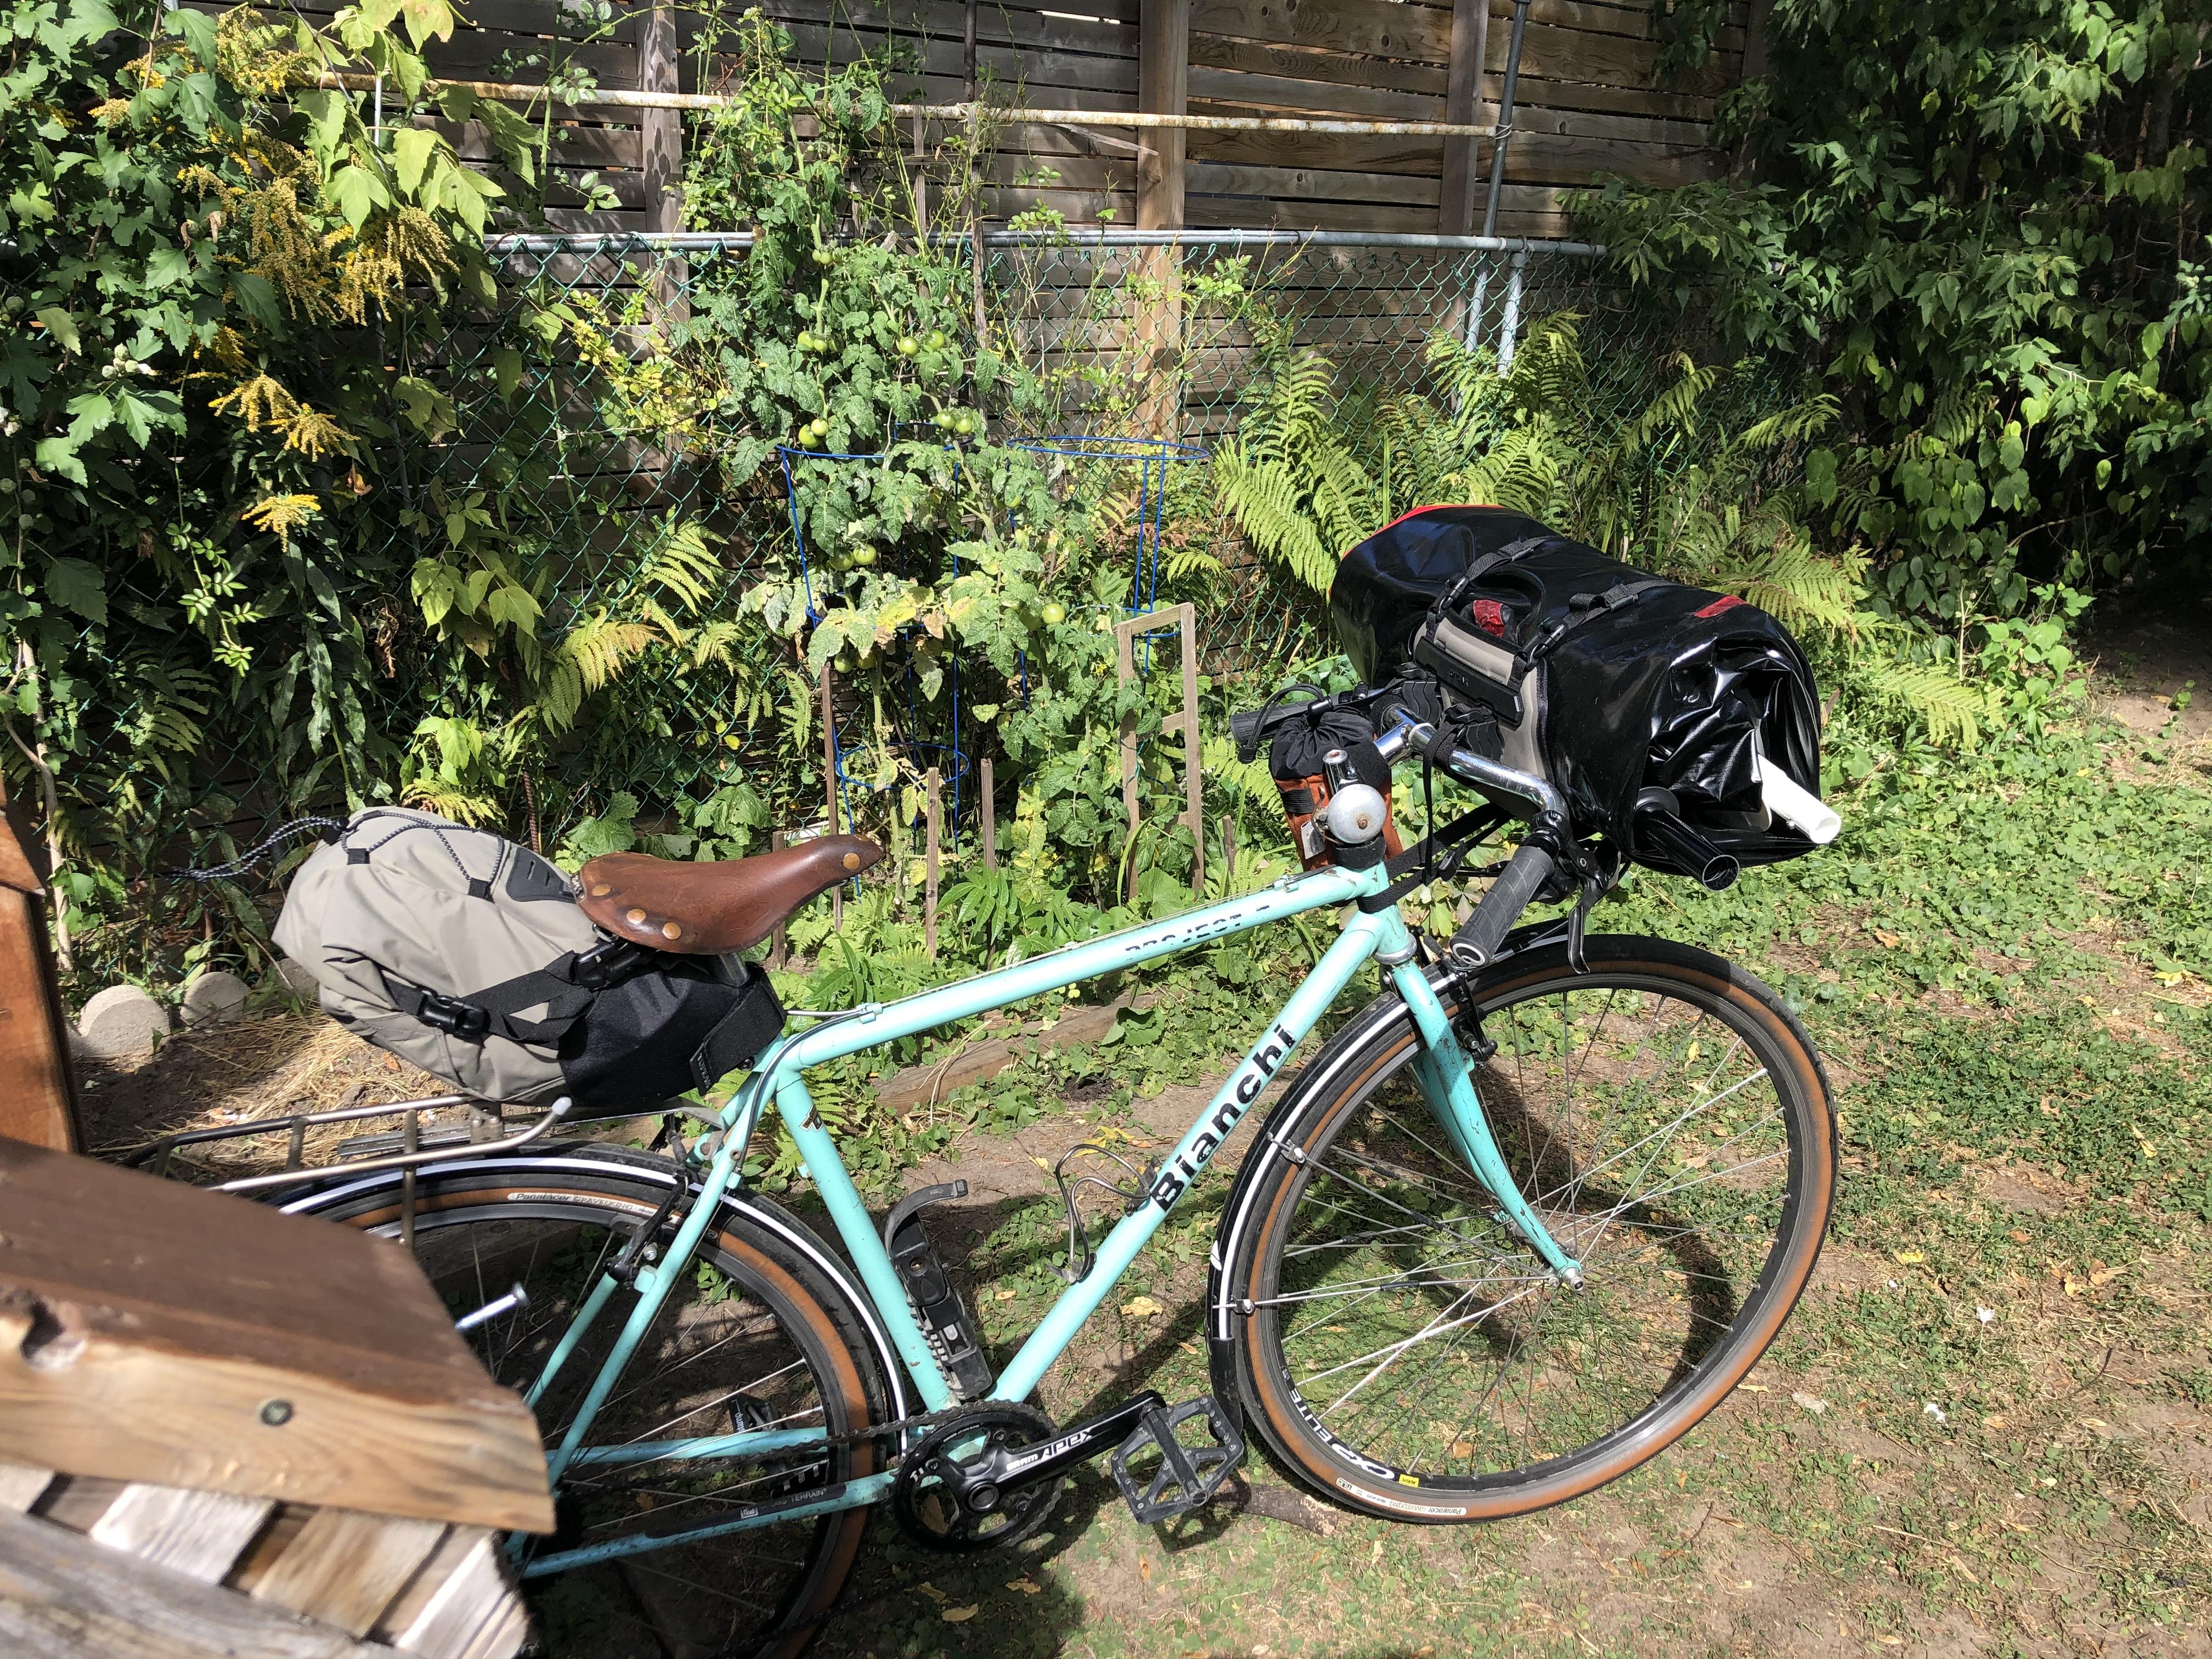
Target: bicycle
[1433,1302]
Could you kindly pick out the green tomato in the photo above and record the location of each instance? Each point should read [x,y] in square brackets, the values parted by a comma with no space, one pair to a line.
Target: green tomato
[806,339]
[817,429]
[907,346]
[1054,615]
[842,563]
[965,426]
[863,556]
[937,339]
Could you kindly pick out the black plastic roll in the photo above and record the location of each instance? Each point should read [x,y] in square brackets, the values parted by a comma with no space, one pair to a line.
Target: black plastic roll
[1662,839]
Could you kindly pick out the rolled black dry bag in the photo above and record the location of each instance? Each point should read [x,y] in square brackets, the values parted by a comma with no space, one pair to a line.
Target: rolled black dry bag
[1602,679]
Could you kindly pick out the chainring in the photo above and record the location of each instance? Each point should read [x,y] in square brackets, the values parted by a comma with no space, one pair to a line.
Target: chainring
[926,1498]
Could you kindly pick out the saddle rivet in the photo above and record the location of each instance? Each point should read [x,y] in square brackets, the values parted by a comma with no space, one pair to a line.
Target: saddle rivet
[671,930]
[635,915]
[852,860]
[600,890]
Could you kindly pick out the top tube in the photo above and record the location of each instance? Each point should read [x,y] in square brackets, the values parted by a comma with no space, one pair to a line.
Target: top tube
[871,1025]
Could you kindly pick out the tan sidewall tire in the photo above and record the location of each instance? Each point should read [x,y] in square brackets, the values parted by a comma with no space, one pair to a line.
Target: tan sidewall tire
[849,1370]
[1266,1393]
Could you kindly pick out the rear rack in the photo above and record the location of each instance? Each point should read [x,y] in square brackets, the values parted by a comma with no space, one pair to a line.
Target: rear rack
[414,1146]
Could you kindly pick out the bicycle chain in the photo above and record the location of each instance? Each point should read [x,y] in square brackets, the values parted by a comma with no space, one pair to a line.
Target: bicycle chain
[900,1425]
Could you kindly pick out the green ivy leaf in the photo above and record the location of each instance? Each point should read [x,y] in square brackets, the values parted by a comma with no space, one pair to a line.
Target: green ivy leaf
[357,192]
[412,150]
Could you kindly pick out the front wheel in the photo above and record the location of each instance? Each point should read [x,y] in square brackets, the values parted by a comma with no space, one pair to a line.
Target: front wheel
[1396,1341]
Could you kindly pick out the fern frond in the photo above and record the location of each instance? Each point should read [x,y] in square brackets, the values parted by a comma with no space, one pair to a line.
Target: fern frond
[684,566]
[1251,780]
[1953,711]
[447,801]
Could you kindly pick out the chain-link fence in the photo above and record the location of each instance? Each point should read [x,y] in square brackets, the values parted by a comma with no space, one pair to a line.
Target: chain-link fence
[523,432]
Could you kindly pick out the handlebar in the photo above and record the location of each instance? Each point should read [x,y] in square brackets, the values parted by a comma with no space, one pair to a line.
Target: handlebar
[1479,937]
[1408,735]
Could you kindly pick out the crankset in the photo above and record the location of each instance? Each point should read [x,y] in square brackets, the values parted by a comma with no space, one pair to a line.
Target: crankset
[959,1488]
[988,1476]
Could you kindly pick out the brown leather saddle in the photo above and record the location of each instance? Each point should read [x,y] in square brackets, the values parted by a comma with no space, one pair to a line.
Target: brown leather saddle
[704,909]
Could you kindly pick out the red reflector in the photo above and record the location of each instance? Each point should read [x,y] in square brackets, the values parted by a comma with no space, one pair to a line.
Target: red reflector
[1490,616]
[1719,605]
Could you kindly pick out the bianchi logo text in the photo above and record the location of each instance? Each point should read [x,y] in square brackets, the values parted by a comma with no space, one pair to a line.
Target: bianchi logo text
[1244,1089]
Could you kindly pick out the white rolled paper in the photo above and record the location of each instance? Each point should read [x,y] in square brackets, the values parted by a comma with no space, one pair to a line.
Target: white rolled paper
[1818,821]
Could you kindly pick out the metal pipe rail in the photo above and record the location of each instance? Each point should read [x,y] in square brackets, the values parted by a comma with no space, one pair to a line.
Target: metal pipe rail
[524,92]
[702,242]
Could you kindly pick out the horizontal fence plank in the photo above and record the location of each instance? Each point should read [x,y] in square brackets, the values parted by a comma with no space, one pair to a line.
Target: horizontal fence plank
[1282,95]
[1210,178]
[1377,28]
[1221,51]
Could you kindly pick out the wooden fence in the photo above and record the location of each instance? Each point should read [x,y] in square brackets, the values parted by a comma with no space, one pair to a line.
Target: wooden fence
[1586,104]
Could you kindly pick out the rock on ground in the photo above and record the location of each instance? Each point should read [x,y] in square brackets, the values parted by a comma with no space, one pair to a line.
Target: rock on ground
[214,998]
[121,1022]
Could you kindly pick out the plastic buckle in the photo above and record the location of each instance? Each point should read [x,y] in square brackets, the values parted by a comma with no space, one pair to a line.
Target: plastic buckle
[603,964]
[454,1017]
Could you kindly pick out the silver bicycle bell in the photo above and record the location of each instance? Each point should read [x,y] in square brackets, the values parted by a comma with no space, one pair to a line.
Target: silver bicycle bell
[1355,811]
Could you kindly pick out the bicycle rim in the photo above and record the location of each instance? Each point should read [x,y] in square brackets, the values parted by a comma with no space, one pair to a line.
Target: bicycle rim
[747,1342]
[1407,1351]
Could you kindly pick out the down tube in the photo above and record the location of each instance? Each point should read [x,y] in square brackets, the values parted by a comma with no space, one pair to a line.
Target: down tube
[1196,1149]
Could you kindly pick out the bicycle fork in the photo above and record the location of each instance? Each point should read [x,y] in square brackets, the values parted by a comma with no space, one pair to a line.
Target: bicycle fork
[1447,1081]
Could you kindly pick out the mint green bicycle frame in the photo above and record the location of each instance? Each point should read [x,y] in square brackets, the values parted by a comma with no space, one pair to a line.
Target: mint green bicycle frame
[1440,1066]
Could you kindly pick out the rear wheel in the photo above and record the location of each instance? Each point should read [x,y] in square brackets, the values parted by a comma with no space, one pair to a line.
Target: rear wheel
[1402,1347]
[758,1336]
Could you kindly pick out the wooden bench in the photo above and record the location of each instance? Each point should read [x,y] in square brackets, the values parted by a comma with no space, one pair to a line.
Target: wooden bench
[227,1429]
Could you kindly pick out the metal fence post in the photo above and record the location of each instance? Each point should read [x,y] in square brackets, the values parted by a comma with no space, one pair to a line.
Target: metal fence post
[1509,324]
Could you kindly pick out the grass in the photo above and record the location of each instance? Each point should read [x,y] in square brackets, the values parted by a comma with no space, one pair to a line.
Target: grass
[1986,1429]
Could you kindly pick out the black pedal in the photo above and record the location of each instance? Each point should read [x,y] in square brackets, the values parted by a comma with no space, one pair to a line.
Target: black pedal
[1187,1477]
[945,1318]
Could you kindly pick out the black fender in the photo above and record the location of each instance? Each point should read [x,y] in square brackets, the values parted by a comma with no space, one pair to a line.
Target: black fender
[647,1169]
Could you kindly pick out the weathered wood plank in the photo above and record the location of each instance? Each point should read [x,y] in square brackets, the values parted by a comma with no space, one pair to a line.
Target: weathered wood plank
[477,55]
[460,1605]
[574,146]
[21,1486]
[1222,52]
[996,25]
[346,1568]
[198,1533]
[1321,184]
[1280,95]
[153,1332]
[62,1596]
[1378,29]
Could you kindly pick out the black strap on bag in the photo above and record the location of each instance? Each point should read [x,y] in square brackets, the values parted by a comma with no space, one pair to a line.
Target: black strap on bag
[1482,566]
[566,987]
[1588,607]
[737,1041]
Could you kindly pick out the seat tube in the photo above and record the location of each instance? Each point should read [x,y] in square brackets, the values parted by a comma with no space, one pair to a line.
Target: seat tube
[1447,1081]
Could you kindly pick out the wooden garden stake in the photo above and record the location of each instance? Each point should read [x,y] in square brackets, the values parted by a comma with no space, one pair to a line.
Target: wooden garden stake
[934,798]
[778,951]
[990,823]
[830,787]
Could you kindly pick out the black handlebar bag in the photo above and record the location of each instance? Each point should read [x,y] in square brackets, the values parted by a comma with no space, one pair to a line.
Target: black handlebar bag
[1602,679]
